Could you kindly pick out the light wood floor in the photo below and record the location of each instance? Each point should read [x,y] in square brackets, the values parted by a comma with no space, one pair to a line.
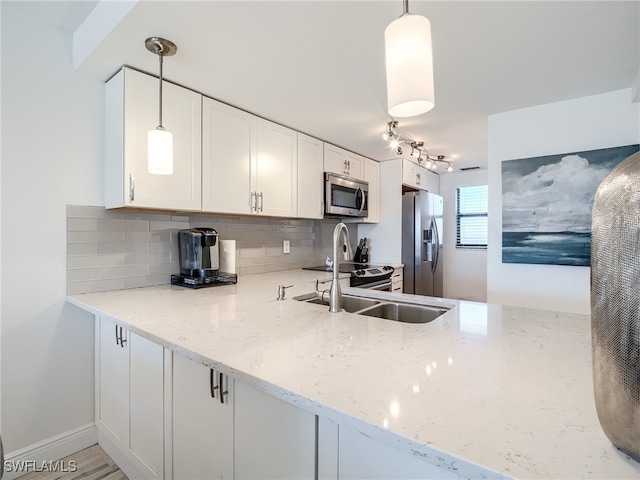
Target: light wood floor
[92,464]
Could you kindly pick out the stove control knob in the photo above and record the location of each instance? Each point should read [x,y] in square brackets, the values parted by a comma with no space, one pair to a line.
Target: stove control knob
[360,272]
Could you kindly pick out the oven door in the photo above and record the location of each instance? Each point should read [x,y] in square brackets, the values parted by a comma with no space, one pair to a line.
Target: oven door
[380,285]
[345,197]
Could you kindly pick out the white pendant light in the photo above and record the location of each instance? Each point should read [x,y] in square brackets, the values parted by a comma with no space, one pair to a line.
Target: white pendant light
[409,61]
[160,141]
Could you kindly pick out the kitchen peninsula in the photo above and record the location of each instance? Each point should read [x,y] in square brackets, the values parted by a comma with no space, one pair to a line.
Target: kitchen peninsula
[484,391]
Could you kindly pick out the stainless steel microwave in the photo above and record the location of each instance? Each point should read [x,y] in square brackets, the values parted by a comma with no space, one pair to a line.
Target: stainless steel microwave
[345,196]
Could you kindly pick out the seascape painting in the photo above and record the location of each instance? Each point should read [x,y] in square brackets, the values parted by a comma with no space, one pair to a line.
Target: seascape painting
[547,203]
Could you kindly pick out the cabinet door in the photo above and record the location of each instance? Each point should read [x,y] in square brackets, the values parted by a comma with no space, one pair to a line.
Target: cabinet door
[335,159]
[355,165]
[359,457]
[372,176]
[228,158]
[410,174]
[146,438]
[276,169]
[112,381]
[131,111]
[202,425]
[273,439]
[310,177]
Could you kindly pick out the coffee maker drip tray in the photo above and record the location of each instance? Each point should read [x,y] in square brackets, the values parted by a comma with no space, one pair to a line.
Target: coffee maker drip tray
[200,282]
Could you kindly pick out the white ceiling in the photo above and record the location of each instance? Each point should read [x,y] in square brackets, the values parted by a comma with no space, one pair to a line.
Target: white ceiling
[318,67]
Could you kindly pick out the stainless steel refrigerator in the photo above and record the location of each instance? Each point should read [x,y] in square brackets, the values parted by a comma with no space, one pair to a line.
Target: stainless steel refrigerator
[422,215]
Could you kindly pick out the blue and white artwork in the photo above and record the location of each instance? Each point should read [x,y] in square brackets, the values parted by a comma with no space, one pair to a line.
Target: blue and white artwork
[547,203]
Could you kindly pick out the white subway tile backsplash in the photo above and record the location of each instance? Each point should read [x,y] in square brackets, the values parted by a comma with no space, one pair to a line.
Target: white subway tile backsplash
[140,247]
[89,261]
[81,274]
[82,249]
[146,281]
[82,224]
[91,286]
[94,237]
[114,249]
[122,225]
[155,225]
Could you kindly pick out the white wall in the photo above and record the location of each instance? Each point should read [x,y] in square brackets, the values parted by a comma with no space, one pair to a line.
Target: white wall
[465,269]
[52,122]
[599,121]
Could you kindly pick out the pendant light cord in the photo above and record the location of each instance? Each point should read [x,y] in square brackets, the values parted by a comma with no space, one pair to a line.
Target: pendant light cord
[160,96]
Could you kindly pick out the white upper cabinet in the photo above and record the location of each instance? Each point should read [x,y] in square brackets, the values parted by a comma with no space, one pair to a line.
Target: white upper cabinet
[343,162]
[276,181]
[228,153]
[372,176]
[249,165]
[310,177]
[417,176]
[131,111]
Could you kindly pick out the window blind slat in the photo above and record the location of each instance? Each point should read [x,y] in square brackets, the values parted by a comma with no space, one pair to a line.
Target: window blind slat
[471,218]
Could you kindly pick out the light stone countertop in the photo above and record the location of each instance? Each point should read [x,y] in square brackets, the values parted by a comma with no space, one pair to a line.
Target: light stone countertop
[484,390]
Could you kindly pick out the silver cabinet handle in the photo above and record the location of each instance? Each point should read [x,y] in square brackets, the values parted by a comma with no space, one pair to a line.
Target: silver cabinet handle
[261,197]
[212,386]
[418,178]
[132,187]
[222,391]
[120,340]
[254,202]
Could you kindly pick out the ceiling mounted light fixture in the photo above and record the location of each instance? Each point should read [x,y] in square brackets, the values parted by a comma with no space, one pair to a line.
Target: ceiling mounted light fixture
[160,141]
[418,150]
[409,61]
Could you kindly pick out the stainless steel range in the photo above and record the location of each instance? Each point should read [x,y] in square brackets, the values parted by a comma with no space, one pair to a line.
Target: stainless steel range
[374,277]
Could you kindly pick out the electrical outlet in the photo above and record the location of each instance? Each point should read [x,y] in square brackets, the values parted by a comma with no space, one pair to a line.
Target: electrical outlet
[286,246]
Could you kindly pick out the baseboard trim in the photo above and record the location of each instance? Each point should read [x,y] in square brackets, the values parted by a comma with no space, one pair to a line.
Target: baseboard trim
[51,449]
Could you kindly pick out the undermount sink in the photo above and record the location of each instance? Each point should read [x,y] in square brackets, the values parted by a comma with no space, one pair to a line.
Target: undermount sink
[349,303]
[404,312]
[397,311]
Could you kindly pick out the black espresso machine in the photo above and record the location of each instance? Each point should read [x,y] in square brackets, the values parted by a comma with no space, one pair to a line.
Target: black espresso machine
[199,251]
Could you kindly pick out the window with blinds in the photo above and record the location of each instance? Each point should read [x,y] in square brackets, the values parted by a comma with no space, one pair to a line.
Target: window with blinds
[471,217]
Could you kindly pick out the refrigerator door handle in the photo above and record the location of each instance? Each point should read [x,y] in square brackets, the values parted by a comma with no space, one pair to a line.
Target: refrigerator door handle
[436,241]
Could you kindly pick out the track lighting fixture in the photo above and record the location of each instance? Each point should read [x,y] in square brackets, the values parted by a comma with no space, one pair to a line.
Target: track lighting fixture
[418,150]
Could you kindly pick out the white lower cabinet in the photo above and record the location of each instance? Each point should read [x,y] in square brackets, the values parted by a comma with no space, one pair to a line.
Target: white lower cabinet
[251,435]
[347,454]
[130,397]
[202,424]
[397,280]
[273,439]
[162,415]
